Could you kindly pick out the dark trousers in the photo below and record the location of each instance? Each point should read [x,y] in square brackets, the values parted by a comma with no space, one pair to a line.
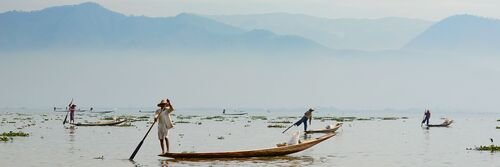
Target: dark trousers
[426,119]
[302,120]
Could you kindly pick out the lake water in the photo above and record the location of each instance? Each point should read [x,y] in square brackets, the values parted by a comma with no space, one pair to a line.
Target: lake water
[367,143]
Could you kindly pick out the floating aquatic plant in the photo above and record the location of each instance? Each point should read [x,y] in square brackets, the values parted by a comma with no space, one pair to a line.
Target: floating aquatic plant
[13,134]
[258,118]
[280,122]
[4,138]
[276,126]
[488,148]
[214,117]
[182,122]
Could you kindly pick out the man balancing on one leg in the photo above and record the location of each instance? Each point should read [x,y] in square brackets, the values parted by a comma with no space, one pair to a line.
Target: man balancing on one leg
[164,123]
[307,116]
[427,116]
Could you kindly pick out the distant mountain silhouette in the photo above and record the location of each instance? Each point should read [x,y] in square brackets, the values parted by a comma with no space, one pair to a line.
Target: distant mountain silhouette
[345,33]
[459,34]
[89,26]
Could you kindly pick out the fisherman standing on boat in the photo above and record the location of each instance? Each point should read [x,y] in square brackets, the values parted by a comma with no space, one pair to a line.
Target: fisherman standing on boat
[72,109]
[307,116]
[427,116]
[162,115]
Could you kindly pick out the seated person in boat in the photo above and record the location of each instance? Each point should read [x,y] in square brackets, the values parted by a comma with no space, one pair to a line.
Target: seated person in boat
[162,115]
[307,116]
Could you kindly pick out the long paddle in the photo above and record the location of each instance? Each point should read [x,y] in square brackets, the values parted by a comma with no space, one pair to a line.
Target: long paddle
[291,125]
[287,128]
[142,141]
[66,118]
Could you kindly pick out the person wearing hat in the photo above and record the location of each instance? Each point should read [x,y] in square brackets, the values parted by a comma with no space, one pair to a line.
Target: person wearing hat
[162,115]
[307,116]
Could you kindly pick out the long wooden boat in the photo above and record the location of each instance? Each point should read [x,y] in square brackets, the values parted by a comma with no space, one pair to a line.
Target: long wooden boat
[106,123]
[269,152]
[331,130]
[102,112]
[78,110]
[444,124]
[235,114]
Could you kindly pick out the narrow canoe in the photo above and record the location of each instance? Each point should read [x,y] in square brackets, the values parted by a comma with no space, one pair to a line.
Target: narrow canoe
[269,152]
[102,112]
[236,114]
[440,125]
[67,110]
[107,123]
[331,130]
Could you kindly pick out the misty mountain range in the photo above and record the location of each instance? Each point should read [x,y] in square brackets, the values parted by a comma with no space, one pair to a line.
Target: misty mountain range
[89,26]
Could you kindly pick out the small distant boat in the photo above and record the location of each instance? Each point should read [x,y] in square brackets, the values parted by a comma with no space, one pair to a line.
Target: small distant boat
[224,113]
[269,152]
[147,111]
[79,110]
[326,130]
[106,123]
[102,112]
[236,113]
[446,123]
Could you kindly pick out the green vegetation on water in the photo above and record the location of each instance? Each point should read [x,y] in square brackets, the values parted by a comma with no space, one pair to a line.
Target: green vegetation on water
[280,122]
[498,127]
[276,126]
[4,138]
[182,122]
[218,117]
[488,148]
[15,134]
[258,118]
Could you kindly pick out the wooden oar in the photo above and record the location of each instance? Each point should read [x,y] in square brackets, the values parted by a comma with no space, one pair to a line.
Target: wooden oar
[287,128]
[66,118]
[142,141]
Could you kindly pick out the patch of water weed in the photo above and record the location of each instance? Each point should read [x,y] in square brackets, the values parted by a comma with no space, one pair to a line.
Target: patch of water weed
[389,118]
[218,117]
[187,116]
[276,126]
[364,119]
[182,122]
[15,134]
[4,138]
[488,148]
[258,118]
[220,137]
[280,122]
[498,127]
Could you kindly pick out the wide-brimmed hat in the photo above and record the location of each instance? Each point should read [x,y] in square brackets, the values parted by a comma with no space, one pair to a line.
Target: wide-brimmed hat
[164,101]
[311,109]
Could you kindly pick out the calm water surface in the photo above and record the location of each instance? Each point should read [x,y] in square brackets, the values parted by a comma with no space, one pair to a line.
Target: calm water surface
[377,142]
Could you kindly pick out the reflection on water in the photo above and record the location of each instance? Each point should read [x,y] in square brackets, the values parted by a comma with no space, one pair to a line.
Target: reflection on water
[256,161]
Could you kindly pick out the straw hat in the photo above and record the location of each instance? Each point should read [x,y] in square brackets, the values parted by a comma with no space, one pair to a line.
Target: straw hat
[311,109]
[164,101]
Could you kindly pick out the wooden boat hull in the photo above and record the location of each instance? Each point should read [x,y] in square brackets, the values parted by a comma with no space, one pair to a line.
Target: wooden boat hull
[101,112]
[110,123]
[237,114]
[439,125]
[270,152]
[324,130]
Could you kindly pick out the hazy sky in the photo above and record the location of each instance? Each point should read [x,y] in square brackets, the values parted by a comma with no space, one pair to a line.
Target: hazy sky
[424,9]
